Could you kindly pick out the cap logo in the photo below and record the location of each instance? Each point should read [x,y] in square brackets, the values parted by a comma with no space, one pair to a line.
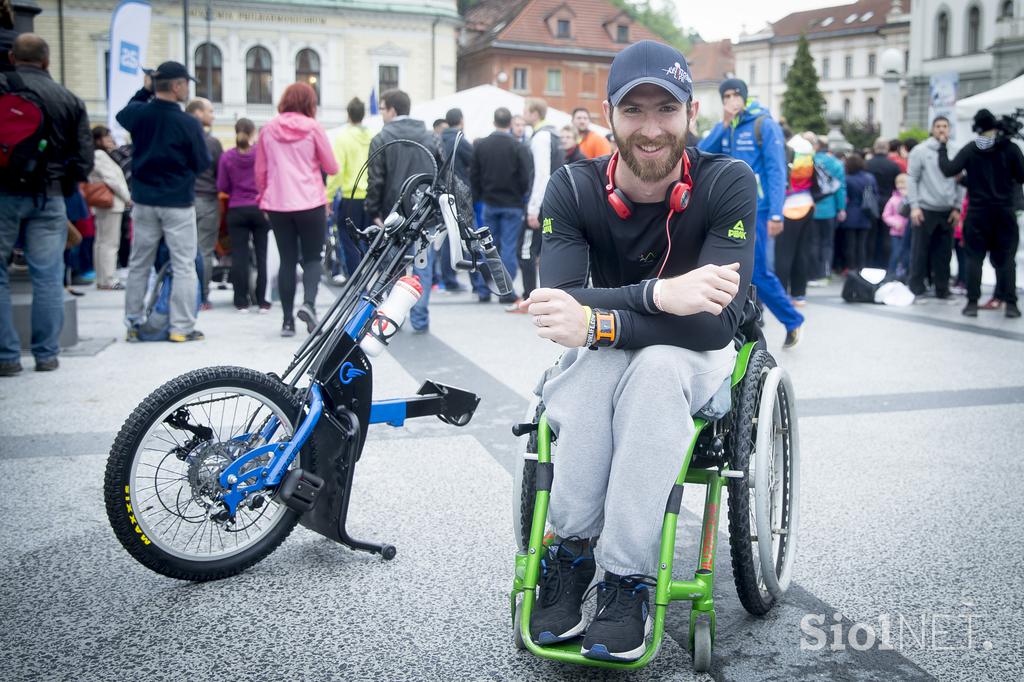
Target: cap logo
[679,73]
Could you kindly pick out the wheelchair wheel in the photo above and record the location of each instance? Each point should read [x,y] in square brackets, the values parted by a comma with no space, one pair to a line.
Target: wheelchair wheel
[763,444]
[702,647]
[524,489]
[162,488]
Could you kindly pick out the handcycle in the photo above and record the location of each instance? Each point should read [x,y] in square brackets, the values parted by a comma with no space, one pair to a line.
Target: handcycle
[212,471]
[747,441]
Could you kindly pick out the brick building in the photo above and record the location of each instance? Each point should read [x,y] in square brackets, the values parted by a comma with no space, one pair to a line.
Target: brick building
[553,49]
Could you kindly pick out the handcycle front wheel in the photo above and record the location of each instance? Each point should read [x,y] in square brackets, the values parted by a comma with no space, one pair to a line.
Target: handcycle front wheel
[162,487]
[763,518]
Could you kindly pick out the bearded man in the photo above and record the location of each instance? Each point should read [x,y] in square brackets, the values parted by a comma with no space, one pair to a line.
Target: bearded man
[665,234]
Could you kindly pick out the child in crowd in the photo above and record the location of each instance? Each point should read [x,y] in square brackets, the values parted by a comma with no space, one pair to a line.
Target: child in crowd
[897,216]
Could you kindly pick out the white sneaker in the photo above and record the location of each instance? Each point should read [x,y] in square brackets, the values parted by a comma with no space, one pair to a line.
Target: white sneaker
[339,279]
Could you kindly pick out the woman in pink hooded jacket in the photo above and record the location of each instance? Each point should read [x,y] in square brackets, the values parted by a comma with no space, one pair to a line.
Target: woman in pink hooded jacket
[292,156]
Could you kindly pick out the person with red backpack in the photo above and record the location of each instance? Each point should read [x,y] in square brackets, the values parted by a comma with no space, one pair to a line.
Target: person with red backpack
[45,151]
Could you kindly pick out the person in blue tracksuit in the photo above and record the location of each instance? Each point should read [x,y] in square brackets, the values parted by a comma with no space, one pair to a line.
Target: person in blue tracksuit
[748,133]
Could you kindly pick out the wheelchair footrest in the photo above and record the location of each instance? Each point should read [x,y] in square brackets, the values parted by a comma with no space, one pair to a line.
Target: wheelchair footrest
[299,490]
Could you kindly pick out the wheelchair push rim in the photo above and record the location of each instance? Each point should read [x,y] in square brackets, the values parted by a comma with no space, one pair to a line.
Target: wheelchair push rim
[776,482]
[172,496]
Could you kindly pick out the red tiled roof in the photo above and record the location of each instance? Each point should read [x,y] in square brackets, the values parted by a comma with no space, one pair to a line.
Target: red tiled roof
[857,15]
[525,23]
[711,61]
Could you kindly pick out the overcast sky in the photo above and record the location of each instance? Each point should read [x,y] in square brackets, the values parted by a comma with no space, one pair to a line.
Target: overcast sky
[717,19]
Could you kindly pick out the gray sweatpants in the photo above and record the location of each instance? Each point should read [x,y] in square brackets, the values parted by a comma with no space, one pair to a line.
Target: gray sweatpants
[208,227]
[623,420]
[177,226]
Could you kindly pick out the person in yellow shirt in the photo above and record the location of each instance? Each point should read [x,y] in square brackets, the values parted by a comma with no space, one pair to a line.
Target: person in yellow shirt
[344,195]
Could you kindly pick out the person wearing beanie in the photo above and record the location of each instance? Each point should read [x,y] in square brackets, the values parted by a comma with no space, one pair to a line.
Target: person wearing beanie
[748,133]
[995,169]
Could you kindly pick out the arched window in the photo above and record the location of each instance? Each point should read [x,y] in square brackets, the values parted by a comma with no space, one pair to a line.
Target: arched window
[1007,10]
[257,76]
[871,110]
[208,72]
[307,69]
[973,29]
[942,35]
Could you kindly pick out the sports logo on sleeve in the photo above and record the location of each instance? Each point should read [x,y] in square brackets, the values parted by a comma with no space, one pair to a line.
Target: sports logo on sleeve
[738,231]
[546,226]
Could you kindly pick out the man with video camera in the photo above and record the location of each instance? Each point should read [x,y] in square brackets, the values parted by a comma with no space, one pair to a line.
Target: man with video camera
[995,166]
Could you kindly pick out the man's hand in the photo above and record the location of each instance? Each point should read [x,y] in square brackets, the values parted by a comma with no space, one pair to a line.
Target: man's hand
[147,82]
[533,221]
[558,316]
[774,228]
[378,222]
[916,216]
[727,117]
[841,216]
[954,217]
[708,289]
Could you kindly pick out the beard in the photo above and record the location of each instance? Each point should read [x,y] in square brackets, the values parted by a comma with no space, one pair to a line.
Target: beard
[651,170]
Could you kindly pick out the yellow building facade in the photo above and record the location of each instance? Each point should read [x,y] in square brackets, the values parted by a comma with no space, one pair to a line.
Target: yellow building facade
[246,53]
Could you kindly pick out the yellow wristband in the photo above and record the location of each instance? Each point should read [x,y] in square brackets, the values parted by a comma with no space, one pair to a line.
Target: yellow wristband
[589,313]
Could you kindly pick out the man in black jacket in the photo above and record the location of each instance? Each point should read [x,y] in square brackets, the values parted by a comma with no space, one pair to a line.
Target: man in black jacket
[995,169]
[463,157]
[169,152]
[389,169]
[39,209]
[885,171]
[500,177]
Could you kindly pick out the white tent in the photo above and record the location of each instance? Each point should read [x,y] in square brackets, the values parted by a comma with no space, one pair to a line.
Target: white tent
[478,105]
[999,100]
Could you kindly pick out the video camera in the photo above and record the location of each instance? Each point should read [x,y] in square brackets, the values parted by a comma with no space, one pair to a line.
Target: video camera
[1011,125]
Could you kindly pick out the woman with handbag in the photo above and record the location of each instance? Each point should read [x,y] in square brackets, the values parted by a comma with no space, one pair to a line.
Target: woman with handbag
[107,194]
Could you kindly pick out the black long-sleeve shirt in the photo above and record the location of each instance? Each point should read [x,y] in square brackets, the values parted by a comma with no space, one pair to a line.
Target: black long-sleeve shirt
[584,237]
[169,151]
[992,174]
[501,170]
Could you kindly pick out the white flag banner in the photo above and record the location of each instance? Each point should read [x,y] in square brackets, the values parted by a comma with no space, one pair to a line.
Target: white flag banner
[129,39]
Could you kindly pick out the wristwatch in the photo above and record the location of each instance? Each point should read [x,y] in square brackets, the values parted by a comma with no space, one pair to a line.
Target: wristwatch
[775,218]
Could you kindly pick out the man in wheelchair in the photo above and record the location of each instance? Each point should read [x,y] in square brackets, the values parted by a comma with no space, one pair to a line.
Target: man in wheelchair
[665,234]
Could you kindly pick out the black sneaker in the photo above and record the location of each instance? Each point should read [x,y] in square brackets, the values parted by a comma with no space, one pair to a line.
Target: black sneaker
[1012,310]
[566,572]
[178,337]
[288,328]
[47,364]
[307,314]
[792,337]
[623,619]
[10,369]
[971,309]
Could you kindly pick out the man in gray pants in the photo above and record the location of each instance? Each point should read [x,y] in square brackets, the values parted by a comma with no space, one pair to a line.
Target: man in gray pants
[207,203]
[666,236]
[169,153]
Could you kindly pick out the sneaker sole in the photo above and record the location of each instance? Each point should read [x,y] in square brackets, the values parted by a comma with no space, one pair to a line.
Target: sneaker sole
[546,638]
[600,652]
[308,319]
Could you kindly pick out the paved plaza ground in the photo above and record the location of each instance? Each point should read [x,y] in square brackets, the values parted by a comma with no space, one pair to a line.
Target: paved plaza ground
[911,423]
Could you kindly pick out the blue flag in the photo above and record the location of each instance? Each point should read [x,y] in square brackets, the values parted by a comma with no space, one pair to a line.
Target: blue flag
[373,102]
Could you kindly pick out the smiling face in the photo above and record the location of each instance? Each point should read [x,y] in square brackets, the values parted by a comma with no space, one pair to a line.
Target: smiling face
[649,126]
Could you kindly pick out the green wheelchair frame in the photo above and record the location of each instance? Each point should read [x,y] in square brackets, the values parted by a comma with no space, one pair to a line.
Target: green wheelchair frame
[769,425]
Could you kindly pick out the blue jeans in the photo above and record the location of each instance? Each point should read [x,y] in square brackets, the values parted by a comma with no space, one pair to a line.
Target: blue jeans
[505,224]
[46,233]
[899,257]
[769,288]
[420,313]
[348,253]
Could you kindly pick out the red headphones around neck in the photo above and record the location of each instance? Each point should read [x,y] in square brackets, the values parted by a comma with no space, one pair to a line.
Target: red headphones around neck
[677,198]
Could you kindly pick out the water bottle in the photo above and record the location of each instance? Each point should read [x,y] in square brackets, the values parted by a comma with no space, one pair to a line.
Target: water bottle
[391,314]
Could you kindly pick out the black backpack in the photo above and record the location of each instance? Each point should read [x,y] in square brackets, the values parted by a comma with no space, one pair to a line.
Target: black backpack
[23,143]
[557,155]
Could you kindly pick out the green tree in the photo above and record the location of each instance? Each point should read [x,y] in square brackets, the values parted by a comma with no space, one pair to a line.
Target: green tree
[803,104]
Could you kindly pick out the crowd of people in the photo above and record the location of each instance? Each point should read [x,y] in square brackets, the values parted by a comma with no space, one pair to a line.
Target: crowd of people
[174,195]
